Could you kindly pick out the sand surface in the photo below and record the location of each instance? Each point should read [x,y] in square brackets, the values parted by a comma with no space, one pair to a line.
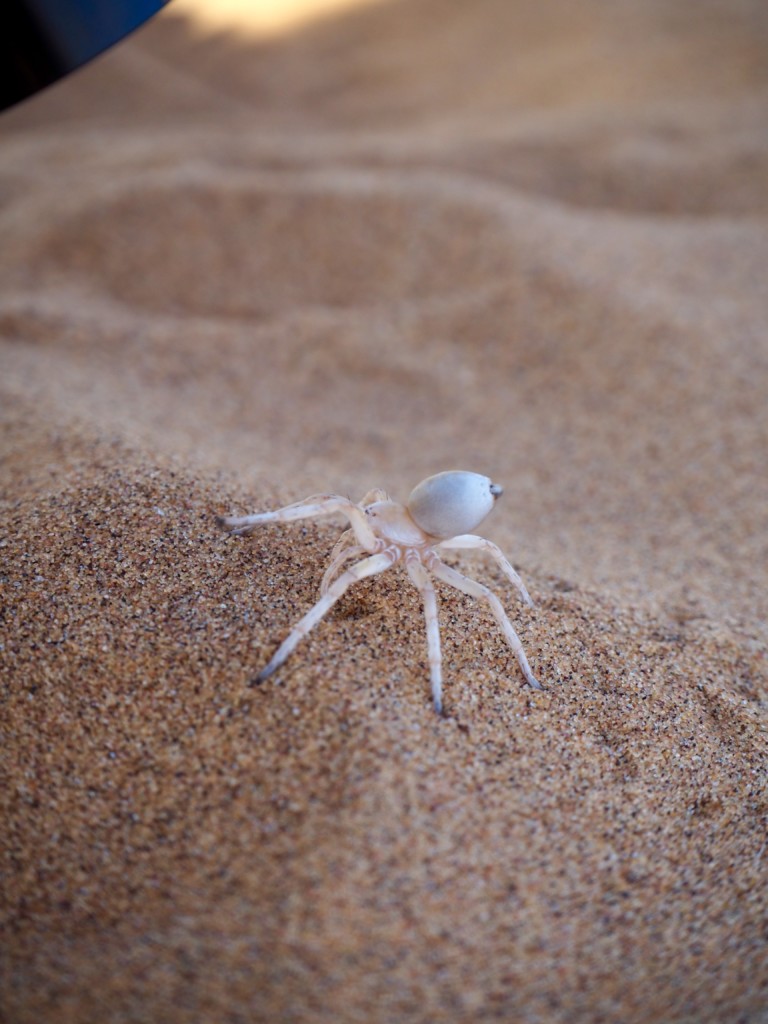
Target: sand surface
[524,238]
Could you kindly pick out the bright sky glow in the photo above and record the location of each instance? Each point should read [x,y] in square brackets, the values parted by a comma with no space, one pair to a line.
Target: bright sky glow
[260,17]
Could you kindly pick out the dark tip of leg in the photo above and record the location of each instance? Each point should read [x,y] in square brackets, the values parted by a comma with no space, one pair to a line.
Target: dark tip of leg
[265,673]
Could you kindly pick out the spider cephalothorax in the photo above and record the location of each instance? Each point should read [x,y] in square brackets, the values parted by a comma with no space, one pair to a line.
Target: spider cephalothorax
[439,512]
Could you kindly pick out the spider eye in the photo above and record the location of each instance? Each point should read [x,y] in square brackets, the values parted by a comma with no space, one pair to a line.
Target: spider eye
[451,503]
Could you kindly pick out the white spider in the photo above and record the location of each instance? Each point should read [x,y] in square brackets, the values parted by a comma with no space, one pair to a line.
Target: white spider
[439,512]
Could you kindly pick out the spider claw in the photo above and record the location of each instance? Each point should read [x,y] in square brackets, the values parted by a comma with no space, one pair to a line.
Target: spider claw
[229,523]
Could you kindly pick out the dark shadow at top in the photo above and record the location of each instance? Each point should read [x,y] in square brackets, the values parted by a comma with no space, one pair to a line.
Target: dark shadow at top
[43,40]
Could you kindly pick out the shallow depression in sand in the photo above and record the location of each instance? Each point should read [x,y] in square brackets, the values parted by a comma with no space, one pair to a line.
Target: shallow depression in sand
[246,251]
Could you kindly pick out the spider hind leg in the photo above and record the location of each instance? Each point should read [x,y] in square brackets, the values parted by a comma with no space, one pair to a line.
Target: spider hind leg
[423,584]
[475,589]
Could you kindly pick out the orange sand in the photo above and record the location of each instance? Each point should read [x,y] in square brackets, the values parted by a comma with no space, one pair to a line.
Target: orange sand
[527,239]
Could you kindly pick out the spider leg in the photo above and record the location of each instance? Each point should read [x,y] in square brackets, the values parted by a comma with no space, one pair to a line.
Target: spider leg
[475,589]
[423,583]
[375,495]
[345,539]
[310,508]
[343,550]
[368,567]
[468,541]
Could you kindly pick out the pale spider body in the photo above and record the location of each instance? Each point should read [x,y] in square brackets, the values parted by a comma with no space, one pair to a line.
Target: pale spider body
[439,512]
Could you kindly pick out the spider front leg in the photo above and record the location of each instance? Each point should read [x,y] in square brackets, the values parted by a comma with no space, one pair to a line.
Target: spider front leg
[475,589]
[368,567]
[377,494]
[423,583]
[310,508]
[468,541]
[343,550]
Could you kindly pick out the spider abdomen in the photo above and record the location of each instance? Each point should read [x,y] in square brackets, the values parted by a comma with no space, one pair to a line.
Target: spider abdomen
[451,503]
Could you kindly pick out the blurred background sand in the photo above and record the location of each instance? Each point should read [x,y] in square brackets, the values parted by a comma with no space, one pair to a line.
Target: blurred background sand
[263,250]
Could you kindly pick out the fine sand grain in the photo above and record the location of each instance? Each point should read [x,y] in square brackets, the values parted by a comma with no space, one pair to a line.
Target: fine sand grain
[527,239]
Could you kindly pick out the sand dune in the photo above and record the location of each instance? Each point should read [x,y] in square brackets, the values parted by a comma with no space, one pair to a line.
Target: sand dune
[525,239]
